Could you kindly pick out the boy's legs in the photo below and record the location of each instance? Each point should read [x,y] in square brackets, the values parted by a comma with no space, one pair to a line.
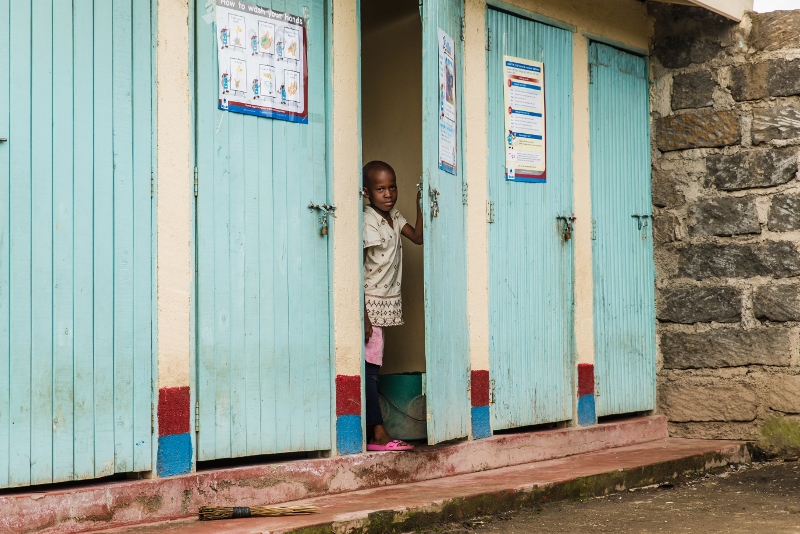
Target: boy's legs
[376,433]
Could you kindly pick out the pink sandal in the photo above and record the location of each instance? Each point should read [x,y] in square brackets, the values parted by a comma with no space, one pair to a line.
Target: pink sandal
[394,445]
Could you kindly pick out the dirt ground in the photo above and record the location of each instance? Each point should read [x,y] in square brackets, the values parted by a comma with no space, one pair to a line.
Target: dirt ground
[759,497]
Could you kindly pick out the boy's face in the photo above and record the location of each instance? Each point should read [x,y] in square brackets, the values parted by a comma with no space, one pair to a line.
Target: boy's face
[382,190]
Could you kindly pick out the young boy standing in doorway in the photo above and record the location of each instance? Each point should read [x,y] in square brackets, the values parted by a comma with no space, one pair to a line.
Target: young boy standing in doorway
[383,272]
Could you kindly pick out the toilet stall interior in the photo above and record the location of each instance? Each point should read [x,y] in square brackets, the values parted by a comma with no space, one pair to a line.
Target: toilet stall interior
[391,124]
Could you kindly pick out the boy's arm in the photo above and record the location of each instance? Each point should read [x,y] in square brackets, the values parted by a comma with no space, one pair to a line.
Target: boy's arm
[414,233]
[367,322]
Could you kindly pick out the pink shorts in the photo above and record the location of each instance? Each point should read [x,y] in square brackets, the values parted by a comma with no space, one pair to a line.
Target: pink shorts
[373,350]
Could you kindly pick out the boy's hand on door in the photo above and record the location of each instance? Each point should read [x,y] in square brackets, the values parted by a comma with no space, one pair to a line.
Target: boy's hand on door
[367,329]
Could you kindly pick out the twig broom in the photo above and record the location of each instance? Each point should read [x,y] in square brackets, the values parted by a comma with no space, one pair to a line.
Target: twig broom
[209,513]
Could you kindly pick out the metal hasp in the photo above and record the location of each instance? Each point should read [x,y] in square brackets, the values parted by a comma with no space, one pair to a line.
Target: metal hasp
[327,211]
[641,220]
[434,196]
[568,226]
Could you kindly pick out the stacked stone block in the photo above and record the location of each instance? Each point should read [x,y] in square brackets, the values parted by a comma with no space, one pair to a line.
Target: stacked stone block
[726,205]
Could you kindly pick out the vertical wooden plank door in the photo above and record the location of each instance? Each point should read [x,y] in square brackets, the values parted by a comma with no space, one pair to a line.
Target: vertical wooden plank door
[263,321]
[530,262]
[623,268]
[445,262]
[76,265]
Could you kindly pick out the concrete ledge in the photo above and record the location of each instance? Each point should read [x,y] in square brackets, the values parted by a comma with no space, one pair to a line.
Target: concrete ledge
[85,508]
[410,507]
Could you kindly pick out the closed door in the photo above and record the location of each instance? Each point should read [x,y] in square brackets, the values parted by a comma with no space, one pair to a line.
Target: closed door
[76,271]
[263,320]
[623,270]
[530,257]
[445,261]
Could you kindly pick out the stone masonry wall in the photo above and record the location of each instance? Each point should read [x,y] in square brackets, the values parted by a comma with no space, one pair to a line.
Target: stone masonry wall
[726,205]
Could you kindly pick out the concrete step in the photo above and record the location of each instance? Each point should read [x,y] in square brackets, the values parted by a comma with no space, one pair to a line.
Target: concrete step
[405,507]
[81,508]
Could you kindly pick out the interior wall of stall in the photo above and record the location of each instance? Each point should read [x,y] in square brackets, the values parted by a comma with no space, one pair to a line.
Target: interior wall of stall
[391,109]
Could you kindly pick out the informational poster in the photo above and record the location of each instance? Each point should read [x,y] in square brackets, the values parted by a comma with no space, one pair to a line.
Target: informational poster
[448,114]
[262,62]
[526,135]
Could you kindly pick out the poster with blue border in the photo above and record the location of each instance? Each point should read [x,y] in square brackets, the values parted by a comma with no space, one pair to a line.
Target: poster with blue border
[448,98]
[262,62]
[525,132]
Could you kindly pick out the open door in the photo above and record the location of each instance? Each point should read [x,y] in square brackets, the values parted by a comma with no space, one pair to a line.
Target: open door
[444,204]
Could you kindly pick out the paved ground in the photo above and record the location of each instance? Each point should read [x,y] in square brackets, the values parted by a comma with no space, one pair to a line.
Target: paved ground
[761,497]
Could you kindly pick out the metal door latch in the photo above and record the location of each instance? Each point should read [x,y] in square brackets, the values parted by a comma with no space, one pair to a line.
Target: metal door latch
[327,211]
[568,225]
[3,139]
[434,196]
[641,220]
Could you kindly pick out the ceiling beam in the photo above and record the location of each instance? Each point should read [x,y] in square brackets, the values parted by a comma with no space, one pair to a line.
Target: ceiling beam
[733,9]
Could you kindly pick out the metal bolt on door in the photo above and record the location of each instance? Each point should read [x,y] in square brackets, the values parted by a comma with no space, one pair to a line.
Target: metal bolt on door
[530,239]
[623,268]
[263,323]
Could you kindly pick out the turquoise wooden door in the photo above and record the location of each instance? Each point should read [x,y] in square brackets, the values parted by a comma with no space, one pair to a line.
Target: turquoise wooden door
[530,263]
[76,270]
[623,269]
[263,321]
[445,261]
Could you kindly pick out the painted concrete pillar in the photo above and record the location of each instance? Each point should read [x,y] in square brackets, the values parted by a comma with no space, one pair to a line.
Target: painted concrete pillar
[174,261]
[584,413]
[346,179]
[476,156]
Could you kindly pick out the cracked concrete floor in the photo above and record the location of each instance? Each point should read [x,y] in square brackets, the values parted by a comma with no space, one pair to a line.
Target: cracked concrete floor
[758,497]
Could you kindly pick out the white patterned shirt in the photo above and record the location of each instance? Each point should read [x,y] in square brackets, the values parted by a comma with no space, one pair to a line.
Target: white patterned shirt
[383,267]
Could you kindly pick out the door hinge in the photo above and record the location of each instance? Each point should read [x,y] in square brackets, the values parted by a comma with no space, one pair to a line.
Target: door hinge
[469,387]
[591,73]
[491,391]
[489,39]
[197,416]
[195,181]
[594,230]
[152,184]
[489,211]
[463,29]
[152,418]
[464,192]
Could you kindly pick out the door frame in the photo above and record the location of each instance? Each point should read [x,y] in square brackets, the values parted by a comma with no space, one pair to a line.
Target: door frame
[194,5]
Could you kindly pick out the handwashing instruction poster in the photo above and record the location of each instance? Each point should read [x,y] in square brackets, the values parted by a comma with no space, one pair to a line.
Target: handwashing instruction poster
[448,145]
[262,62]
[525,141]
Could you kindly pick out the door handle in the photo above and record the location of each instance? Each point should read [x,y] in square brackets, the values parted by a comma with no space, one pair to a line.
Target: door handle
[641,220]
[568,225]
[3,139]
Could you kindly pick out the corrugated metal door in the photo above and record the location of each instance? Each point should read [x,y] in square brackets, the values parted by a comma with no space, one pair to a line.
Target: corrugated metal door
[263,319]
[76,272]
[445,262]
[624,274]
[530,262]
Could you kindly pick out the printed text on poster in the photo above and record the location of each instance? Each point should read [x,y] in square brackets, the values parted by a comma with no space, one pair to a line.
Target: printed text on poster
[525,132]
